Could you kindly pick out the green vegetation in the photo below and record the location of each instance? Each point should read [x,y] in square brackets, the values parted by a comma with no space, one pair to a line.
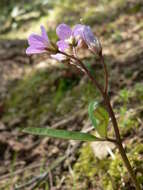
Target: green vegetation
[107,173]
[110,173]
[44,94]
[14,16]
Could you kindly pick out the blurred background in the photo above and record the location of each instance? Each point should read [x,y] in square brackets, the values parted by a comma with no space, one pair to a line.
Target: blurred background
[38,91]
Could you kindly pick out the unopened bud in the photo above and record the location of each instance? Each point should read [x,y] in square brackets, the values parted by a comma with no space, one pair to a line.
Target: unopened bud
[91,41]
[60,57]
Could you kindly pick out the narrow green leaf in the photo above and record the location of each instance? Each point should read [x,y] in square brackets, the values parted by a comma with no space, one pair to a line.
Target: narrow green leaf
[63,134]
[99,118]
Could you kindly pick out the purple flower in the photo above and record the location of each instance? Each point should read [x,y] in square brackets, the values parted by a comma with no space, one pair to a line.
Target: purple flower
[90,40]
[37,43]
[81,35]
[68,36]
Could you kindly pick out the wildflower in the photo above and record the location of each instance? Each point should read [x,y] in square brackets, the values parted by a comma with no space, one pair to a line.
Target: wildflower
[39,44]
[68,37]
[80,36]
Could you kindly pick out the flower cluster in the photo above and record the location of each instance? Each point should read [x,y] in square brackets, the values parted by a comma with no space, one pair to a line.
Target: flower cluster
[69,41]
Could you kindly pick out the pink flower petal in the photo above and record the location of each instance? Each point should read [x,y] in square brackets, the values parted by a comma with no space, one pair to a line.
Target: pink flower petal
[35,39]
[63,31]
[78,29]
[32,50]
[62,45]
[44,34]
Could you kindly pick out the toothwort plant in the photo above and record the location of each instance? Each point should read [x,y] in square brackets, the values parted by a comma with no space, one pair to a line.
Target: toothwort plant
[66,51]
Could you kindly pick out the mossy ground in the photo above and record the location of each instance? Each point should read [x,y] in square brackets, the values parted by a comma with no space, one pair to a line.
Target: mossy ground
[110,173]
[48,95]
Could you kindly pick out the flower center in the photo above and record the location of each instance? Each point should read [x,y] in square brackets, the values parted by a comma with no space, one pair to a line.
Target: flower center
[71,41]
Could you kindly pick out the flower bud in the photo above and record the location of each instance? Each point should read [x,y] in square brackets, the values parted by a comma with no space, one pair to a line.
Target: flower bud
[60,57]
[91,41]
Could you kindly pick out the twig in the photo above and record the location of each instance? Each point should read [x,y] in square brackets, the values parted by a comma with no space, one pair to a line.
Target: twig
[51,180]
[38,179]
[19,171]
[69,119]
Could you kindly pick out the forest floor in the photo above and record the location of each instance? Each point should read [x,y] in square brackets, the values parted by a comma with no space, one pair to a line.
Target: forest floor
[37,91]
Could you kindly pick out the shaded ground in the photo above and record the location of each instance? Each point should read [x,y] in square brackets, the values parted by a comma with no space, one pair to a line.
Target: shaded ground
[35,91]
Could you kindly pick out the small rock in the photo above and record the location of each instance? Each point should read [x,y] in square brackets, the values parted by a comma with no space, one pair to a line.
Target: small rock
[102,149]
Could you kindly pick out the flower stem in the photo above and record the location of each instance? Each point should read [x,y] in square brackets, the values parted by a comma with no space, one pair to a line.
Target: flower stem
[106,74]
[120,146]
[111,113]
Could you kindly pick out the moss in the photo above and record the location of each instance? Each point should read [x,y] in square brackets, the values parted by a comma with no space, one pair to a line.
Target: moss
[128,96]
[119,173]
[106,173]
[135,8]
[128,122]
[87,168]
[124,95]
[139,91]
[129,106]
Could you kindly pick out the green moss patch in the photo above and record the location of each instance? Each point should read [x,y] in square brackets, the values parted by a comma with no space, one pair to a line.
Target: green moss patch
[107,173]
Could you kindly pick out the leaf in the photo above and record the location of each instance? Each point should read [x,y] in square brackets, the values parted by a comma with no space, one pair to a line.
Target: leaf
[63,134]
[99,118]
